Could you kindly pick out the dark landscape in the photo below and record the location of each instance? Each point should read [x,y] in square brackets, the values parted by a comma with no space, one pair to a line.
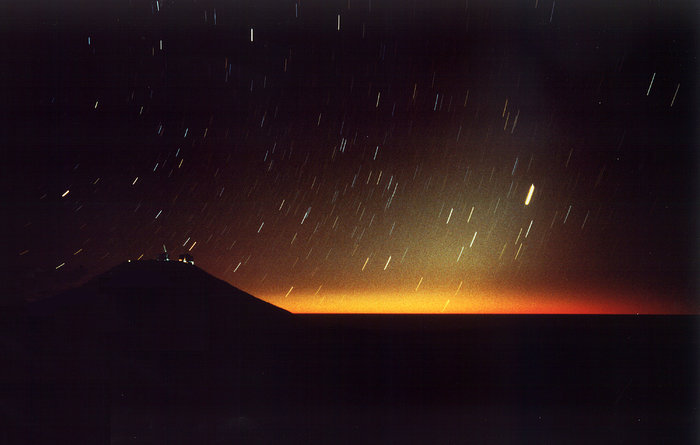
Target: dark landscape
[162,352]
[323,160]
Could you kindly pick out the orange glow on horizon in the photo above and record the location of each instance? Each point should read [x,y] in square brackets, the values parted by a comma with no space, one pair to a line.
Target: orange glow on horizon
[476,302]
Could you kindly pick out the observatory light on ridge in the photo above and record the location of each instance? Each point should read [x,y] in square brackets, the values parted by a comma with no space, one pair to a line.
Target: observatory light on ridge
[529,194]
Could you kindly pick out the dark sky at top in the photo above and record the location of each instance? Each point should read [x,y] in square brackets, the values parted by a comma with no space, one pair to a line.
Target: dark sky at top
[360,152]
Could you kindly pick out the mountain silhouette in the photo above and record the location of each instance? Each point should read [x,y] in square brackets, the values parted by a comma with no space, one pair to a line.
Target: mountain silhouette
[157,305]
[142,333]
[162,352]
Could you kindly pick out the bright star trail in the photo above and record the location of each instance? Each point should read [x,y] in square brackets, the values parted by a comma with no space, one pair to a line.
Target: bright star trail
[372,156]
[529,194]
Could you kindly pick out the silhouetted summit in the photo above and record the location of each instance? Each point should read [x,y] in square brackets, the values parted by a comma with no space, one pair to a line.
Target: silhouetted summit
[162,352]
[161,305]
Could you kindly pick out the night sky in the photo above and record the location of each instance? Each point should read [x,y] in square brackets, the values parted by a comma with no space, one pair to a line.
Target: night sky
[359,156]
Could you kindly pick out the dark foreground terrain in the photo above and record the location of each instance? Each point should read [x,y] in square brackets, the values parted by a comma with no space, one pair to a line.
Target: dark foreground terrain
[162,353]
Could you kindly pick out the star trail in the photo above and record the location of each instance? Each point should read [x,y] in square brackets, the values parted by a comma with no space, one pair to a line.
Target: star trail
[361,156]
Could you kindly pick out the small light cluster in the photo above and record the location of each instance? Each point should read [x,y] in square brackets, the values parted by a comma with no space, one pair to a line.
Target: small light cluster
[186,258]
[182,258]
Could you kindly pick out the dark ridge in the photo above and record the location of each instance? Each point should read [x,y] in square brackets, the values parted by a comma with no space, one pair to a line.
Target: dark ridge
[166,305]
[153,278]
[161,352]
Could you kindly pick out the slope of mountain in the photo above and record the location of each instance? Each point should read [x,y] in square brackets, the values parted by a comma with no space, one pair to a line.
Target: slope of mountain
[146,332]
[155,352]
[156,305]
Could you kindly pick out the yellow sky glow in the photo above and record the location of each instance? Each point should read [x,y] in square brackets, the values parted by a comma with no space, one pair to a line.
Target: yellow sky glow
[472,302]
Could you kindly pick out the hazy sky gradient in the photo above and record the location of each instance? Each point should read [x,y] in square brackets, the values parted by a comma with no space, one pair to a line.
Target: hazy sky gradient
[361,156]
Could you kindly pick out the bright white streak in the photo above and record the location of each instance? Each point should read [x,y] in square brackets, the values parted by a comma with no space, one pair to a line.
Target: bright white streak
[473,238]
[387,262]
[529,194]
[306,215]
[450,215]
